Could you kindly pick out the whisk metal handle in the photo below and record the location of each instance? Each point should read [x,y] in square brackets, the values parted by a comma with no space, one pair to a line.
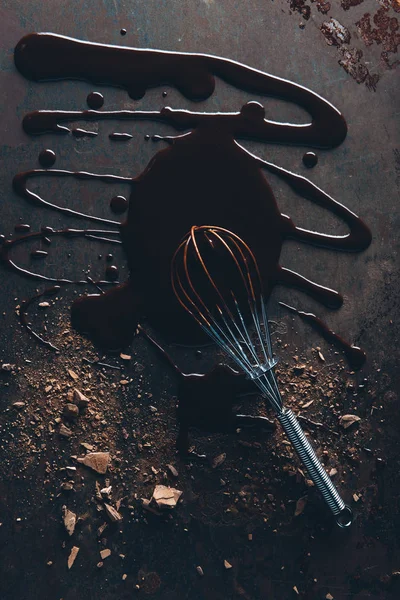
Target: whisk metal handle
[314,468]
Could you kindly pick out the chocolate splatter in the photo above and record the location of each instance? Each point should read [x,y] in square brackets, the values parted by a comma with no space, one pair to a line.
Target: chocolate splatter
[203,176]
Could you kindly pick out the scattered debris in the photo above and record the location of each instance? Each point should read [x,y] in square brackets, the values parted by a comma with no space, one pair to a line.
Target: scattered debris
[163,497]
[321,356]
[87,446]
[125,356]
[65,431]
[332,472]
[329,596]
[80,399]
[218,460]
[227,565]
[7,367]
[70,411]
[44,304]
[200,571]
[67,486]
[105,553]
[19,405]
[72,374]
[69,519]
[72,556]
[335,33]
[300,505]
[113,514]
[98,461]
[295,589]
[172,470]
[348,420]
[356,497]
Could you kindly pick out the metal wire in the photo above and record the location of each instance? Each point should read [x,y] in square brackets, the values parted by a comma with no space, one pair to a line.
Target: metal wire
[216,279]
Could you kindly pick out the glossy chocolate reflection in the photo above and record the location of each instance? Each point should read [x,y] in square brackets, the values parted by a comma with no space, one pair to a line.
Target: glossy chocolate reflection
[47,158]
[95,100]
[204,176]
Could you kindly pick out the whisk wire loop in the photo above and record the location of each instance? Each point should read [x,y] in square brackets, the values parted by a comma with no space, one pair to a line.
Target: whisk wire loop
[215,277]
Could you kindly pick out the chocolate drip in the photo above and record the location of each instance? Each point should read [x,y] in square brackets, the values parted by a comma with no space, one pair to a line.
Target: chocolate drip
[120,137]
[80,133]
[46,233]
[20,187]
[119,204]
[47,56]
[310,159]
[47,158]
[204,176]
[95,100]
[22,228]
[354,355]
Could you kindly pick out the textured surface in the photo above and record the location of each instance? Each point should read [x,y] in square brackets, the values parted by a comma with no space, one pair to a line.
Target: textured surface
[344,53]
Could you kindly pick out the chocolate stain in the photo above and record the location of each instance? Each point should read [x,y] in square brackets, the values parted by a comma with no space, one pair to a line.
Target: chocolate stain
[203,176]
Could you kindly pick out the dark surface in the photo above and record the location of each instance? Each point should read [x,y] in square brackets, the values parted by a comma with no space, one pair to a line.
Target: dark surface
[363,173]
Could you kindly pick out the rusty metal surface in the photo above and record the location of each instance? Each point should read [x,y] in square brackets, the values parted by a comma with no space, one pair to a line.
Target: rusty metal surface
[352,62]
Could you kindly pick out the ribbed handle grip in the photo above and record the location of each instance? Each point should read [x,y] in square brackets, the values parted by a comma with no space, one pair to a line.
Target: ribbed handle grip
[314,468]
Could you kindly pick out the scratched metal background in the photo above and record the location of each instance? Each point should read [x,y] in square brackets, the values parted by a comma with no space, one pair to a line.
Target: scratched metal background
[364,173]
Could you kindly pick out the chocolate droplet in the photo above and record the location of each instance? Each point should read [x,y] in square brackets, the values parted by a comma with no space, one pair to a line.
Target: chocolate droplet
[119,204]
[47,158]
[95,100]
[112,273]
[310,159]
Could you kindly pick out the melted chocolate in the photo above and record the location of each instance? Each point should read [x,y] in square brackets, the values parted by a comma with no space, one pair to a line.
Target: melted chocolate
[46,233]
[310,159]
[80,133]
[204,176]
[95,100]
[355,356]
[47,158]
[20,187]
[22,228]
[47,56]
[112,273]
[119,204]
[39,254]
[120,137]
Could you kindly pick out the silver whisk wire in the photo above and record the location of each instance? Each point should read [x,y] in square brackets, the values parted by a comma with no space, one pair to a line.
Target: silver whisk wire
[227,313]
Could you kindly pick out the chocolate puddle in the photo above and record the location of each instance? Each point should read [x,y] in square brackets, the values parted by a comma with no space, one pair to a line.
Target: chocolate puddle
[204,176]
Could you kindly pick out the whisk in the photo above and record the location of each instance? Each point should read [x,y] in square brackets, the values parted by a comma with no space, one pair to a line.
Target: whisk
[216,279]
